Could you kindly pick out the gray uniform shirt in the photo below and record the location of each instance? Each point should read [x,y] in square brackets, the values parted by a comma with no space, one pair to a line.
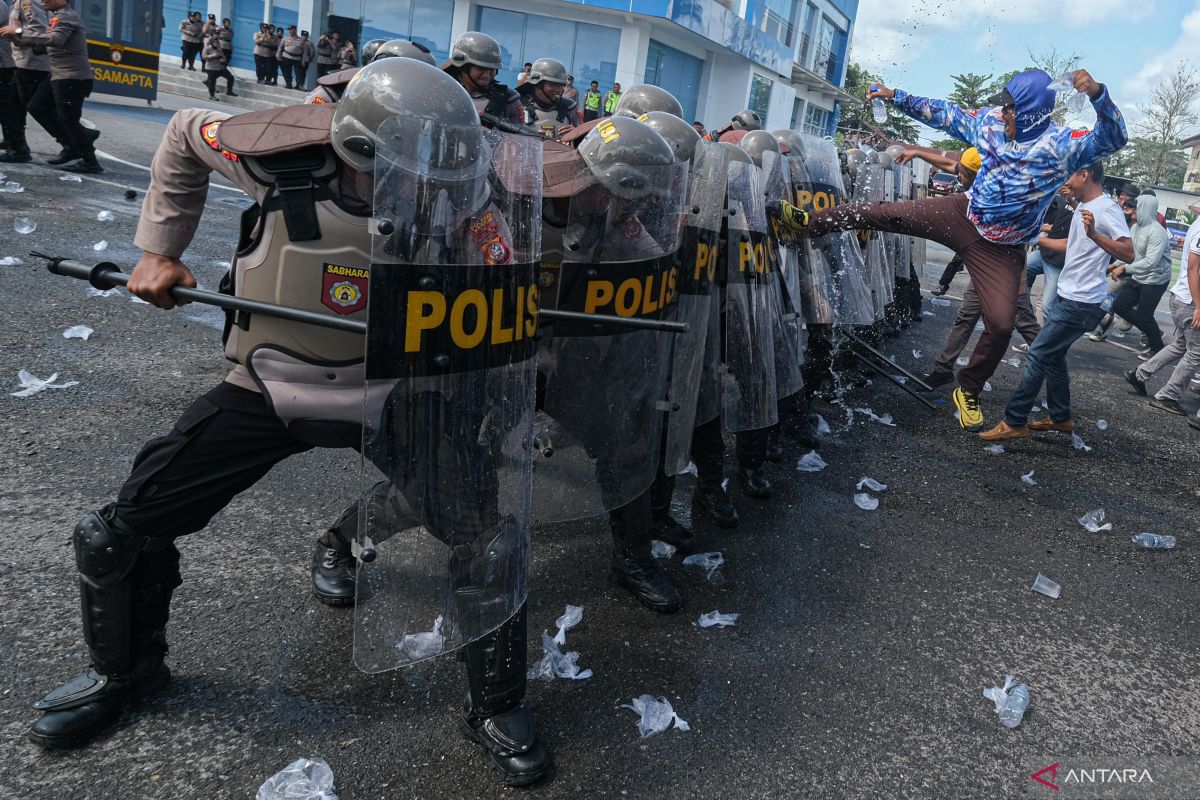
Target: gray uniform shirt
[290,48]
[6,56]
[29,15]
[66,41]
[264,44]
[191,32]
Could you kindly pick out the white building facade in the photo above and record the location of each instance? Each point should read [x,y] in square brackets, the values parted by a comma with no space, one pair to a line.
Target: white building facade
[786,59]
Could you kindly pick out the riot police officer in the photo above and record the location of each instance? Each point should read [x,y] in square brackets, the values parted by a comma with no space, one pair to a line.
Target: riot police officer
[283,398]
[745,120]
[474,60]
[331,85]
[542,93]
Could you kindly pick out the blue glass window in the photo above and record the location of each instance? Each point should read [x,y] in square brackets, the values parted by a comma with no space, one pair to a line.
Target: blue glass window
[589,52]
[760,95]
[426,22]
[677,72]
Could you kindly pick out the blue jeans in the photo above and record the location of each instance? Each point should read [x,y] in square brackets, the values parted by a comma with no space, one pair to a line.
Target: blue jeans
[1047,361]
[1035,264]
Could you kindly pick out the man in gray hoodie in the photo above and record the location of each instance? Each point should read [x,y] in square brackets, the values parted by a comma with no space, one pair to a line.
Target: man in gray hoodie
[1148,274]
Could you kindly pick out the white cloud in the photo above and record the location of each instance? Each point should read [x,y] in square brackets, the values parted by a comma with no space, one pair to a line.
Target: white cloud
[1137,88]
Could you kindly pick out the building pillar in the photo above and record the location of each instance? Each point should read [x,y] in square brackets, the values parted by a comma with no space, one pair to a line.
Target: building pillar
[464,13]
[631,57]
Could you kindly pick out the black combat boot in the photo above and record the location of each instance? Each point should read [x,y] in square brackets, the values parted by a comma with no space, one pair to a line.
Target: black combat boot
[632,565]
[751,452]
[774,452]
[495,718]
[663,526]
[800,424]
[126,581]
[65,156]
[710,496]
[17,155]
[333,571]
[754,482]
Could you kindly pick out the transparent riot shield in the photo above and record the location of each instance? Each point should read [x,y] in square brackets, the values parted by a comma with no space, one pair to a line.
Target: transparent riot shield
[450,371]
[749,390]
[852,299]
[903,179]
[598,437]
[813,282]
[920,183]
[870,187]
[787,324]
[696,283]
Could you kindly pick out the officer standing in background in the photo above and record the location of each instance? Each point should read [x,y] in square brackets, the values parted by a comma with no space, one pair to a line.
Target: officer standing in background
[309,55]
[10,104]
[347,56]
[542,95]
[474,61]
[290,53]
[65,40]
[591,102]
[191,34]
[571,95]
[32,79]
[264,52]
[328,52]
[232,436]
[210,28]
[216,65]
[225,35]
[611,99]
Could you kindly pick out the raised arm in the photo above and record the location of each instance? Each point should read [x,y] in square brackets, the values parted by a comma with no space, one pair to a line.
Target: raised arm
[940,114]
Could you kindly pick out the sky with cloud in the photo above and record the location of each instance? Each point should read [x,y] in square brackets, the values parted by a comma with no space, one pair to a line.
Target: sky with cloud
[1128,44]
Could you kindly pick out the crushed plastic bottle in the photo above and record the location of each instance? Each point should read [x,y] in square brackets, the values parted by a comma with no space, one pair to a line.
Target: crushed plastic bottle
[655,716]
[425,644]
[987,386]
[71,178]
[11,261]
[917,355]
[1092,519]
[12,187]
[1043,585]
[865,501]
[872,484]
[1078,443]
[811,462]
[570,618]
[941,301]
[78,332]
[105,216]
[994,449]
[962,361]
[1028,478]
[716,618]
[1013,361]
[31,384]
[926,313]
[100,246]
[303,779]
[556,664]
[1102,424]
[711,562]
[24,225]
[1154,541]
[92,291]
[884,419]
[1011,701]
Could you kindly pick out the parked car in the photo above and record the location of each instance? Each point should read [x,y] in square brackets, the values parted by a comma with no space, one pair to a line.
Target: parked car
[944,183]
[1178,232]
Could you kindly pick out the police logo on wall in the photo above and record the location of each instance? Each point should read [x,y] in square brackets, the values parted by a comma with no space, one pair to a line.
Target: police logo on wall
[344,289]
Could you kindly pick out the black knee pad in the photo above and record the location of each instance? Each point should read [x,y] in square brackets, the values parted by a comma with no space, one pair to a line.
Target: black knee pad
[105,550]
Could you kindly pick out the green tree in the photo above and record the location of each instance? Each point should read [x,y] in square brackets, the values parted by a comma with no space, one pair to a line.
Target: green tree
[949,144]
[856,116]
[971,90]
[1166,118]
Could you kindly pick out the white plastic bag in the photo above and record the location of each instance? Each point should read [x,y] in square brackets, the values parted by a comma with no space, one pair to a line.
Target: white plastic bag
[716,618]
[655,716]
[303,779]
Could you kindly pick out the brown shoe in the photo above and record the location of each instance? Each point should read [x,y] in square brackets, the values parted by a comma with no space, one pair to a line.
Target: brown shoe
[1047,424]
[1002,433]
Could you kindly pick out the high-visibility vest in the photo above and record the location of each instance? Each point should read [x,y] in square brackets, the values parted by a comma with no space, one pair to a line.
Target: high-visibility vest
[591,100]
[610,102]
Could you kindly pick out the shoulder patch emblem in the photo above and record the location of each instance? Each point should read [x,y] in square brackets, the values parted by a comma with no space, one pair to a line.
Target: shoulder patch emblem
[344,289]
[208,132]
[496,252]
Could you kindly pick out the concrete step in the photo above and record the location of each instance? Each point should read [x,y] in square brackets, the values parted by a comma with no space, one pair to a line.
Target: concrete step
[252,96]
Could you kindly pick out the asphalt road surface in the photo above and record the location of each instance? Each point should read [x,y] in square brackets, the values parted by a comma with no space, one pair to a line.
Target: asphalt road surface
[856,669]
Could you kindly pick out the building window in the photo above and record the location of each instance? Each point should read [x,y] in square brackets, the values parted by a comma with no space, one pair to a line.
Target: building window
[776,18]
[816,121]
[589,52]
[823,45]
[426,22]
[677,72]
[797,110]
[806,33]
[760,95]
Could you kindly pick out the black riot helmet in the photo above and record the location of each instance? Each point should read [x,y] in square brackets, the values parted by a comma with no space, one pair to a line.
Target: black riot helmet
[403,48]
[369,49]
[679,134]
[622,153]
[644,98]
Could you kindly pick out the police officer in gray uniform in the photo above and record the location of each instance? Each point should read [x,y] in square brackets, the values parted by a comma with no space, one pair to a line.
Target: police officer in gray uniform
[542,93]
[474,61]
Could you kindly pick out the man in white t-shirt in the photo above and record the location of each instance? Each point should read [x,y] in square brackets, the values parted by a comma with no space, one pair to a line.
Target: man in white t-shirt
[1099,234]
[1185,346]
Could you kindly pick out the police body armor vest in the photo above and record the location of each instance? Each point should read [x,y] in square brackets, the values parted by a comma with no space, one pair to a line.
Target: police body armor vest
[302,249]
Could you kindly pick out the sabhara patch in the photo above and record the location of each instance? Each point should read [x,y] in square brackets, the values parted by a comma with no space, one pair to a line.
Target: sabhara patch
[208,132]
[344,289]
[632,229]
[496,252]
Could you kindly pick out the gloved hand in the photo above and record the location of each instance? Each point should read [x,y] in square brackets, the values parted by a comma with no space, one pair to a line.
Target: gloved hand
[791,217]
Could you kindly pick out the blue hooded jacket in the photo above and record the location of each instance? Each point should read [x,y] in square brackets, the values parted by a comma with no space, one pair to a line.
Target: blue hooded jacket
[1018,179]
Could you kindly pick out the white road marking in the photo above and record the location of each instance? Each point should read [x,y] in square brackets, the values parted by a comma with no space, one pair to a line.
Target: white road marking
[111,157]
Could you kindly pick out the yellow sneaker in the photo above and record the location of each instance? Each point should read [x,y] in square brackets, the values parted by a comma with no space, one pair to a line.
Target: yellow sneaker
[970,417]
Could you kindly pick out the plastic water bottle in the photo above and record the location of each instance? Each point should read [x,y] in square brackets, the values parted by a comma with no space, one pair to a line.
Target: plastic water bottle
[1014,707]
[878,108]
[1152,541]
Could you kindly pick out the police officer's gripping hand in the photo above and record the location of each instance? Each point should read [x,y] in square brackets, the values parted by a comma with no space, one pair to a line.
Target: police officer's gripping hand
[1086,84]
[154,277]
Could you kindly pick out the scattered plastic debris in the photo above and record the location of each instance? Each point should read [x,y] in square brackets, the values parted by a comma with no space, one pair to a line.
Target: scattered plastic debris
[725,484]
[1092,519]
[811,462]
[900,379]
[1102,424]
[927,313]
[1028,478]
[11,261]
[962,361]
[655,716]
[105,216]
[24,225]
[917,355]
[1078,443]
[690,469]
[1043,585]
[556,664]
[71,178]
[31,384]
[425,644]
[12,187]
[1012,361]
[78,332]
[570,618]
[865,501]
[303,779]
[94,292]
[100,245]
[1011,701]
[885,419]
[1154,541]
[994,449]
[872,484]
[717,619]
[133,298]
[940,301]
[987,386]
[661,549]
[712,562]
[824,430]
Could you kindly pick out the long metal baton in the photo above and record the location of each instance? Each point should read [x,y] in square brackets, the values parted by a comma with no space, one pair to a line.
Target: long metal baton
[106,275]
